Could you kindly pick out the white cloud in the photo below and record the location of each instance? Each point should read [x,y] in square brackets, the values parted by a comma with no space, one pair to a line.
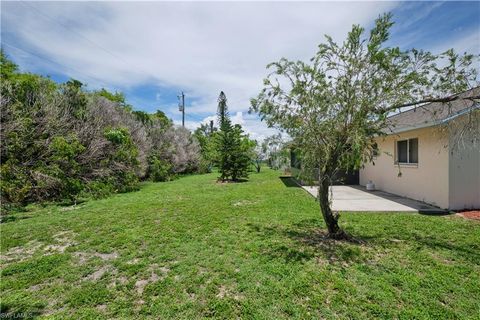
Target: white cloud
[470,43]
[251,125]
[202,48]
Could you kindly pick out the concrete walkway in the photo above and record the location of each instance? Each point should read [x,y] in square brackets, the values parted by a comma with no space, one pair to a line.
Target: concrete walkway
[357,198]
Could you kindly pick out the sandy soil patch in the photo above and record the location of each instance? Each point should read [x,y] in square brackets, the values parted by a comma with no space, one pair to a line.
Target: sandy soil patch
[228,292]
[242,203]
[63,241]
[83,257]
[21,253]
[98,274]
[154,277]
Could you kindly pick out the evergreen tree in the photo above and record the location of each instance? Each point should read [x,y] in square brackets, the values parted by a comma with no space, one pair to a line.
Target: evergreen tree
[233,157]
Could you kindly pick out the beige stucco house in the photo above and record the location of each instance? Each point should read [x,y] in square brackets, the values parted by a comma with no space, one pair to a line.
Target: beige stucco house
[432,154]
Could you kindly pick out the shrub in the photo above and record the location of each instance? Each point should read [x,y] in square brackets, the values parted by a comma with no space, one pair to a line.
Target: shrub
[60,141]
[159,170]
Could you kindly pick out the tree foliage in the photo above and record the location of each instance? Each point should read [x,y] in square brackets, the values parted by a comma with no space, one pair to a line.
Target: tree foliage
[275,151]
[233,151]
[206,137]
[60,141]
[334,106]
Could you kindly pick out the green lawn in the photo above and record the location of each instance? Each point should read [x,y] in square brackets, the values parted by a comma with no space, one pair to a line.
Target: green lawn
[193,248]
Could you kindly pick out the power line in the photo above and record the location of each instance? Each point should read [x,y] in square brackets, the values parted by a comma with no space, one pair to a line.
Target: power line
[65,26]
[72,30]
[51,61]
[61,65]
[84,37]
[93,43]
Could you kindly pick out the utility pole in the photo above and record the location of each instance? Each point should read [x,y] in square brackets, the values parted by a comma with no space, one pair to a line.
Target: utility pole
[181,107]
[211,127]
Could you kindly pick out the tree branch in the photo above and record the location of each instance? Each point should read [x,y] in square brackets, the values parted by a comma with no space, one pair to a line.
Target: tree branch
[443,100]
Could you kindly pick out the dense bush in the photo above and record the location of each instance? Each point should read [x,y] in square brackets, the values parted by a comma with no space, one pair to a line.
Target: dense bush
[206,137]
[59,141]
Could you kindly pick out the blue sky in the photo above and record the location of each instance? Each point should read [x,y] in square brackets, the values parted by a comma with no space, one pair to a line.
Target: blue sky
[153,50]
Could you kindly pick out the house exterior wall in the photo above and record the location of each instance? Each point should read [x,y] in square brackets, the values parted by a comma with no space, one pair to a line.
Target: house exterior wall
[428,181]
[464,166]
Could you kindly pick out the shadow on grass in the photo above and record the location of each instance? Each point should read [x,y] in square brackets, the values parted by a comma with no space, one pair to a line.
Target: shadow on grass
[469,252]
[310,241]
[241,180]
[290,182]
[12,217]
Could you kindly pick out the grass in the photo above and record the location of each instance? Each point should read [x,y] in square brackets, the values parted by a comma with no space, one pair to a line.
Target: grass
[193,248]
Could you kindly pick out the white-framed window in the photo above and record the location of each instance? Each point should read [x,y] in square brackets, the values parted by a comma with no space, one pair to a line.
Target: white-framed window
[407,151]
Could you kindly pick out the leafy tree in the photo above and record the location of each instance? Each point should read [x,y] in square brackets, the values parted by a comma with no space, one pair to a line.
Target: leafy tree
[336,105]
[256,154]
[162,118]
[159,169]
[117,97]
[185,152]
[241,153]
[233,158]
[8,67]
[275,151]
[206,137]
[64,165]
[142,116]
[62,142]
[76,98]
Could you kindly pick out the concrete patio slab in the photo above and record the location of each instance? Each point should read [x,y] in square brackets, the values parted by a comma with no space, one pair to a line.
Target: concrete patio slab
[357,198]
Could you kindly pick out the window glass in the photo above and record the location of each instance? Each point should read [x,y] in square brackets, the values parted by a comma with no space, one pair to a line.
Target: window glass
[413,150]
[402,151]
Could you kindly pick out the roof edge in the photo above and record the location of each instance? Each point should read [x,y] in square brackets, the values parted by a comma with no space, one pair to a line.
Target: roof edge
[437,122]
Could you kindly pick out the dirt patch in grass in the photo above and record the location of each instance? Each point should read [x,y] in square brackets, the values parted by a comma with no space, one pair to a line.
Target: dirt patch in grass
[133,261]
[441,259]
[54,306]
[228,292]
[122,280]
[242,203]
[21,253]
[141,284]
[98,274]
[70,208]
[63,240]
[154,277]
[222,292]
[164,270]
[43,285]
[83,257]
[102,308]
[107,256]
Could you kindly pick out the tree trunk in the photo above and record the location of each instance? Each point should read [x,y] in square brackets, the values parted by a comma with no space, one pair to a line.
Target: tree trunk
[334,231]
